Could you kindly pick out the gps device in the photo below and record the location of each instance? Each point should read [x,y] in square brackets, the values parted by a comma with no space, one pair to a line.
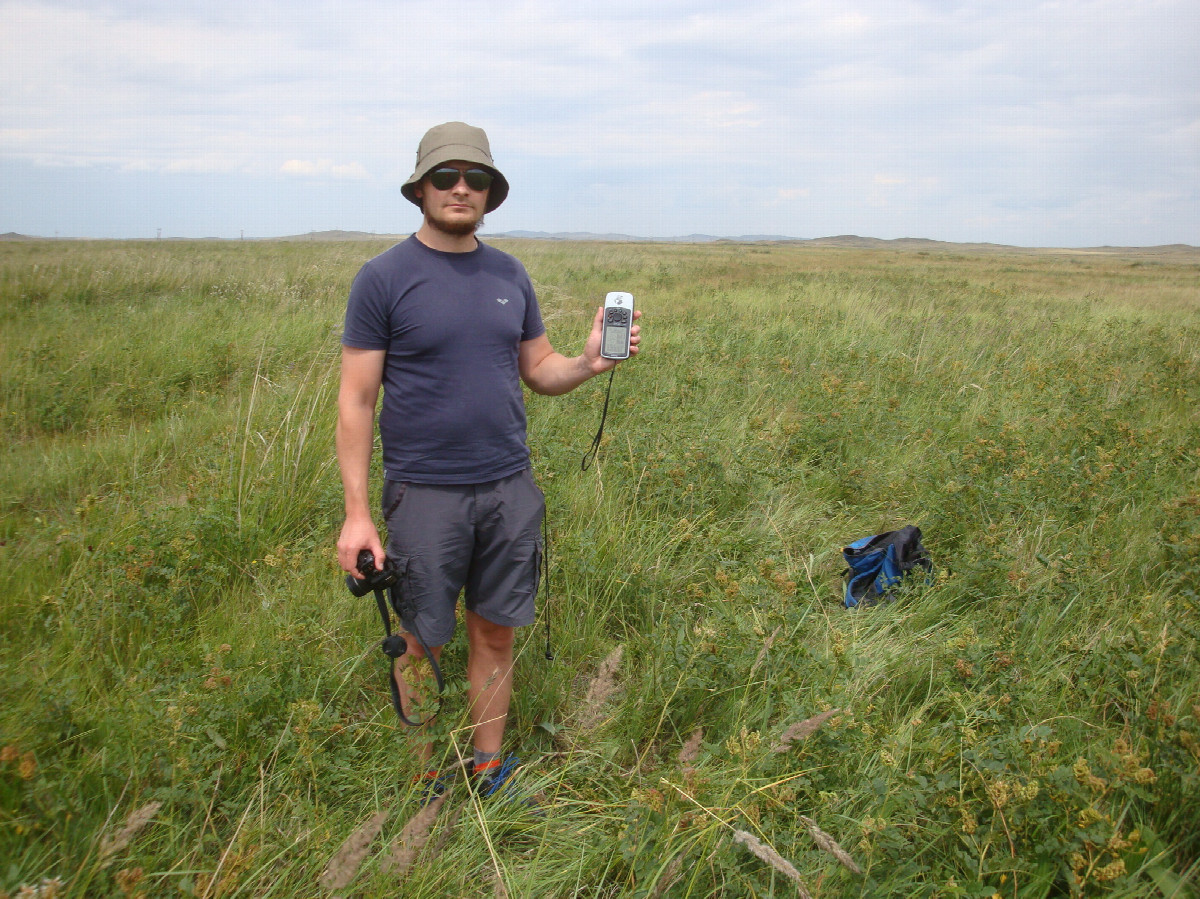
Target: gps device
[618,321]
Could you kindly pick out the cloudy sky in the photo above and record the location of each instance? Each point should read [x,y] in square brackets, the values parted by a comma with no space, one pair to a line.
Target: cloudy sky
[1070,123]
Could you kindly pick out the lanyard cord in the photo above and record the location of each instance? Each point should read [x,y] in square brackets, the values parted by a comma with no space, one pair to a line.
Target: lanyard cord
[546,579]
[590,455]
[393,647]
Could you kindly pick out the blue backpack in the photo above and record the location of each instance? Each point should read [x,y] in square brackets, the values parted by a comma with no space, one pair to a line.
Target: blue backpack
[875,565]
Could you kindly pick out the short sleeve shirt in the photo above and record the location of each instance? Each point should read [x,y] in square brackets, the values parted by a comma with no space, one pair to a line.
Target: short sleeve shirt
[452,325]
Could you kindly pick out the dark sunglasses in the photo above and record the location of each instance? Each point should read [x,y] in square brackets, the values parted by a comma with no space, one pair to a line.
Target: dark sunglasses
[444,179]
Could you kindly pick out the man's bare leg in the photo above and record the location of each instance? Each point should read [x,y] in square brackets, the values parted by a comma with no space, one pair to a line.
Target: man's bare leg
[489,675]
[417,692]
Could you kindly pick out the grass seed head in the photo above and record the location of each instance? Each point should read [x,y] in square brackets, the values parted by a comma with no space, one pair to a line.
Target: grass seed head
[412,839]
[134,823]
[772,858]
[347,860]
[802,730]
[603,686]
[691,749]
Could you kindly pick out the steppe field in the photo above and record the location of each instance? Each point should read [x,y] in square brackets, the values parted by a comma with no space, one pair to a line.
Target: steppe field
[194,705]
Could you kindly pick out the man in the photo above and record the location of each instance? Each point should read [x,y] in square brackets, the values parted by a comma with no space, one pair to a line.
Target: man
[449,327]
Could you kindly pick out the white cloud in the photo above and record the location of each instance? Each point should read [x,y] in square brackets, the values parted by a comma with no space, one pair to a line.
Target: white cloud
[677,105]
[322,167]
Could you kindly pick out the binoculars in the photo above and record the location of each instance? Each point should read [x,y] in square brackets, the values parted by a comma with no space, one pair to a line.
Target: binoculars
[376,579]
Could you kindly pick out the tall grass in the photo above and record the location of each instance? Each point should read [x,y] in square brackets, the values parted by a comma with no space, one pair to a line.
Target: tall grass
[193,704]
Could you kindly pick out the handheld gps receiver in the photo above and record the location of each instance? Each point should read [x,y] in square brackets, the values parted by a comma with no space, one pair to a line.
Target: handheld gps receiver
[618,321]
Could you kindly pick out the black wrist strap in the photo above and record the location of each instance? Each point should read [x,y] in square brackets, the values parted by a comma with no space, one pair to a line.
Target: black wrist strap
[591,453]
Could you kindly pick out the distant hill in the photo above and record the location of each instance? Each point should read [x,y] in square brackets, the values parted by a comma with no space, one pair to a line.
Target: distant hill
[629,238]
[844,241]
[339,235]
[853,241]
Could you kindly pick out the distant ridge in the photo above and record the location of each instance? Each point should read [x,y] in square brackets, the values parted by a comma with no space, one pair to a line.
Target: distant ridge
[841,241]
[855,242]
[339,235]
[629,238]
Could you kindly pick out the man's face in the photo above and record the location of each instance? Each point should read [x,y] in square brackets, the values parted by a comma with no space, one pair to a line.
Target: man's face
[458,210]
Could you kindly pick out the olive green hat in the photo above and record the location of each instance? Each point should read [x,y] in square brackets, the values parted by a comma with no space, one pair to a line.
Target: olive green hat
[455,141]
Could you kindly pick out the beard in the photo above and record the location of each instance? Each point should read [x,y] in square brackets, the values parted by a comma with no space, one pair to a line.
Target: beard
[453,227]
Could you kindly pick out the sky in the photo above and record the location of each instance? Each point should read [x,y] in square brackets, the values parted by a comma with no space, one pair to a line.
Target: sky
[1072,123]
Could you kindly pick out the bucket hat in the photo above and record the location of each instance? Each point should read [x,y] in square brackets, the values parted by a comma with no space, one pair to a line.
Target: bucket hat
[455,141]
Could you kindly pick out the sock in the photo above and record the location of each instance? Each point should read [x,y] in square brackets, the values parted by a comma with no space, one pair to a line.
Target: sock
[484,760]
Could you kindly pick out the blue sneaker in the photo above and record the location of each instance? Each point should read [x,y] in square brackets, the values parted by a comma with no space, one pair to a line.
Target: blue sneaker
[433,783]
[494,777]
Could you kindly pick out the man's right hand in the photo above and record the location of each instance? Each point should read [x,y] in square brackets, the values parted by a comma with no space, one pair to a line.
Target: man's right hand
[357,535]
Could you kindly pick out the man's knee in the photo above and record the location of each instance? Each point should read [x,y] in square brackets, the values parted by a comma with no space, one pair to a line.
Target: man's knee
[415,650]
[487,636]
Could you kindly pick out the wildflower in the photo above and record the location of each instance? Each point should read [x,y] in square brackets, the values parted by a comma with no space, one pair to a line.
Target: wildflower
[744,742]
[652,798]
[1085,777]
[998,791]
[1117,843]
[968,823]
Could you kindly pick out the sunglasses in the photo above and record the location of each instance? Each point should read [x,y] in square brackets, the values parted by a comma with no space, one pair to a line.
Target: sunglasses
[446,178]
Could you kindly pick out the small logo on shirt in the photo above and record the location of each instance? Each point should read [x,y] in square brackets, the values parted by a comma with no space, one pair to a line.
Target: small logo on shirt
[502,300]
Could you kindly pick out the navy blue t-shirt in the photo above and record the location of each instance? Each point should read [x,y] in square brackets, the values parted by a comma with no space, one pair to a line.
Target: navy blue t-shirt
[452,325]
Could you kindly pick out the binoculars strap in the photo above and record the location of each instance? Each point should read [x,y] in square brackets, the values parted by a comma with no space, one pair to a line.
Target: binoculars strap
[394,646]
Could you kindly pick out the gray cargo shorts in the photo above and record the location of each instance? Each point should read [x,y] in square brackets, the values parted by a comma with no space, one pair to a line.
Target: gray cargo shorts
[485,539]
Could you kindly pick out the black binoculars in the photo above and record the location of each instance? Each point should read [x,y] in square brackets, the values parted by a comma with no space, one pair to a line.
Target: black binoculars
[376,579]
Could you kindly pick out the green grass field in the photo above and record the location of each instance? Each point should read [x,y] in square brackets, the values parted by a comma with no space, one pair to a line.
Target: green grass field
[193,704]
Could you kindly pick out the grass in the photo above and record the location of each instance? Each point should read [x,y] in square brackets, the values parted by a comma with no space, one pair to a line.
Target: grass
[194,705]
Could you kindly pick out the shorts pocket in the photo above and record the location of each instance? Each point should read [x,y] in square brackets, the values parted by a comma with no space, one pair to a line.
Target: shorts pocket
[400,593]
[393,495]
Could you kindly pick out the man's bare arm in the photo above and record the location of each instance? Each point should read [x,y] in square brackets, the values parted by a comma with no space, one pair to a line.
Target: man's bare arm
[550,373]
[362,375]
